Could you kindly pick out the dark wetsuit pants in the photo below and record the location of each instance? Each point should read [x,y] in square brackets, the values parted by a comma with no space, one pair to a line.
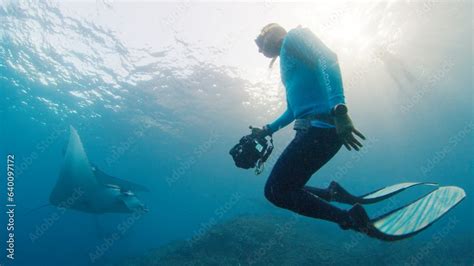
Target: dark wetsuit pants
[307,153]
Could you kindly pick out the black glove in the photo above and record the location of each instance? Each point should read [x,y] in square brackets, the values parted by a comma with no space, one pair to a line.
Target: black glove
[261,132]
[345,128]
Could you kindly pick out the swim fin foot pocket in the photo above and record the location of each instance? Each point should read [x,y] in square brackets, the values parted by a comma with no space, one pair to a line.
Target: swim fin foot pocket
[357,220]
[339,194]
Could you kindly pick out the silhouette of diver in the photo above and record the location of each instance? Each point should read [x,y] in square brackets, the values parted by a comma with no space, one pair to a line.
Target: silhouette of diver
[315,101]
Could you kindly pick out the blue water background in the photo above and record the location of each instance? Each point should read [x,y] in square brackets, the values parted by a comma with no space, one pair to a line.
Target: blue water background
[188,93]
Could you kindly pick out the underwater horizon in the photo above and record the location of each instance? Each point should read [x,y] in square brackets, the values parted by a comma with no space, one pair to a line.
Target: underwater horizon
[159,92]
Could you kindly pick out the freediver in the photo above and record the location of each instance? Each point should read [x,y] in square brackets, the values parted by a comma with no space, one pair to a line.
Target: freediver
[315,101]
[395,67]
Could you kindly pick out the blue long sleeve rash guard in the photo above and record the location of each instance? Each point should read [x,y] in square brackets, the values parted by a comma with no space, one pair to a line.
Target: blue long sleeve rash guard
[311,75]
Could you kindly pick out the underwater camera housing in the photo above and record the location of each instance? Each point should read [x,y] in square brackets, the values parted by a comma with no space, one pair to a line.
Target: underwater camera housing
[252,151]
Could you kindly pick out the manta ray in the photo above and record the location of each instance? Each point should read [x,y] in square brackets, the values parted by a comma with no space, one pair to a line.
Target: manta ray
[82,186]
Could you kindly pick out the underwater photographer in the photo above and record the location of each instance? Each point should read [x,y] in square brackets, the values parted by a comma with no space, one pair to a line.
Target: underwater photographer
[315,101]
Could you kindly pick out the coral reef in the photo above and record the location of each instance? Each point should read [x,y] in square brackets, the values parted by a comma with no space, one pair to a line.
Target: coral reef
[292,240]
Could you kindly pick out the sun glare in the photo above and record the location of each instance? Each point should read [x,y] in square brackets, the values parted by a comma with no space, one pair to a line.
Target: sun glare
[351,34]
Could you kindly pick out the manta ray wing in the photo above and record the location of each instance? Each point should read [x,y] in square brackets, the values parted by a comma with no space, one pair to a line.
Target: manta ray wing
[79,187]
[76,176]
[106,179]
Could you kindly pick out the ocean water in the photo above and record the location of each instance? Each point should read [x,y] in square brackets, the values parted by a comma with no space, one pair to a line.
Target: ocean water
[159,93]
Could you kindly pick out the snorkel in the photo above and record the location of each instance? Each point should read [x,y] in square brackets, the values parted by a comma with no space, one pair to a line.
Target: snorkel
[269,41]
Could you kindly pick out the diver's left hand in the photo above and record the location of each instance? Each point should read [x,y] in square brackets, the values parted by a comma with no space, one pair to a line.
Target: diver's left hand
[345,130]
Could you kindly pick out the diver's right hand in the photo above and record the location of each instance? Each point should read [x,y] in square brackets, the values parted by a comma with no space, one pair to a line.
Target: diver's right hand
[261,132]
